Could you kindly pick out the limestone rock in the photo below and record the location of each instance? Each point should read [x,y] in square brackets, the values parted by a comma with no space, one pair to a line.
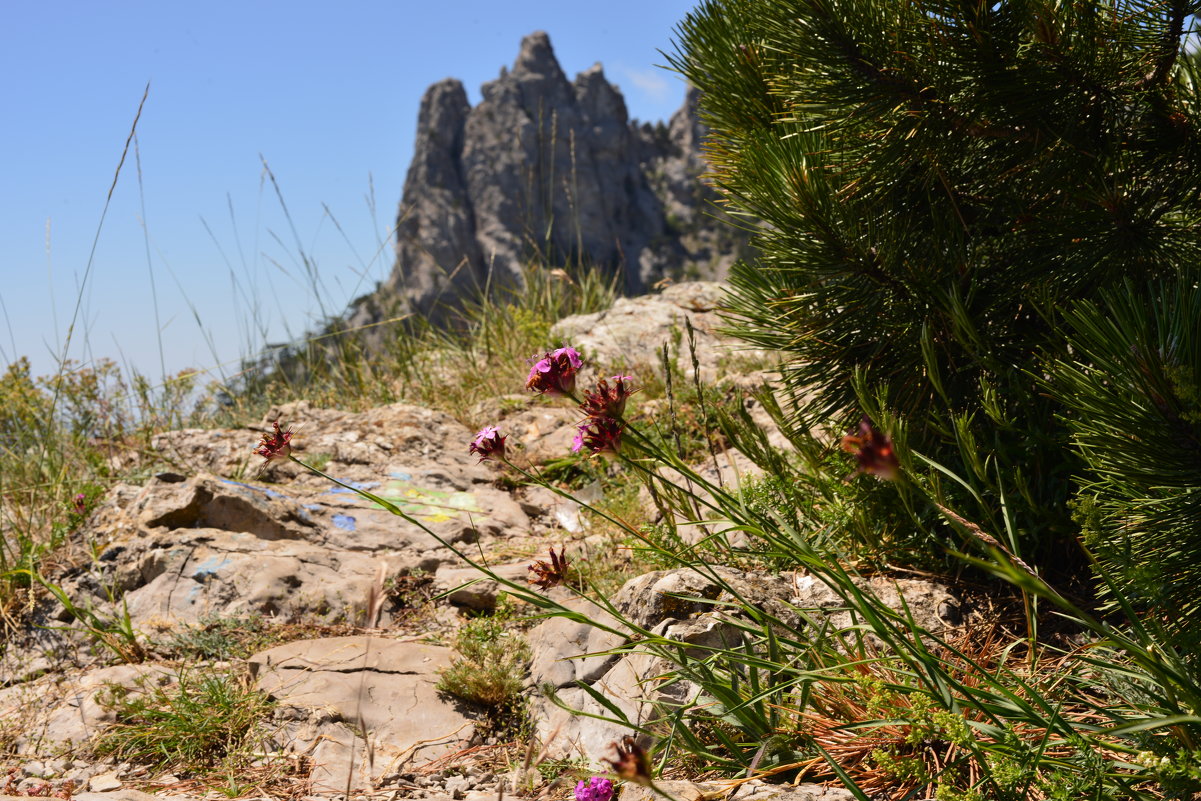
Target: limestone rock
[554,169]
[291,545]
[358,696]
[630,335]
[104,782]
[466,586]
[566,651]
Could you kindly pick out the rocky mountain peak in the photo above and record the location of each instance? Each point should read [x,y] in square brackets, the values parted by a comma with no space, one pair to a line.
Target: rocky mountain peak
[537,57]
[546,171]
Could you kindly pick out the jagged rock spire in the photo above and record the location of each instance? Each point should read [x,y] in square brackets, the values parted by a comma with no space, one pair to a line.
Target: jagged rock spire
[549,170]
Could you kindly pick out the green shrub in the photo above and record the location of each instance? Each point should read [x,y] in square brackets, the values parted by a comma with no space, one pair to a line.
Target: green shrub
[204,721]
[1133,405]
[490,667]
[937,182]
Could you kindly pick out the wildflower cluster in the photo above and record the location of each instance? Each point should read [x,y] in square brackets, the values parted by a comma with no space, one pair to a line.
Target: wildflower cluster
[488,444]
[601,431]
[554,373]
[597,788]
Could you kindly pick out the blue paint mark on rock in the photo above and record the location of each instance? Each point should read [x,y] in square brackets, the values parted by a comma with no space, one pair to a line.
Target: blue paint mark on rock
[207,569]
[402,475]
[344,522]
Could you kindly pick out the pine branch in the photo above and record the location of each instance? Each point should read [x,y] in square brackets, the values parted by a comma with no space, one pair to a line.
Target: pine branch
[1169,46]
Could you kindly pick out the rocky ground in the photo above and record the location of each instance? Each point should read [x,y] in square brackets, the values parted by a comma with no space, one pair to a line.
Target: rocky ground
[346,614]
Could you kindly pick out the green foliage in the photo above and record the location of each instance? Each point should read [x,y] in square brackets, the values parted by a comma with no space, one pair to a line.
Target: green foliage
[1130,399]
[937,182]
[881,703]
[490,667]
[115,634]
[447,365]
[222,638]
[203,722]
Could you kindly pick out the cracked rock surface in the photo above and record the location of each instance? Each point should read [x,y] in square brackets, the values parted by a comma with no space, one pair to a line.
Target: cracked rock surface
[333,688]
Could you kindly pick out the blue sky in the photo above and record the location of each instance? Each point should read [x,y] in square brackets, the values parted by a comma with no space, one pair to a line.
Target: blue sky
[196,264]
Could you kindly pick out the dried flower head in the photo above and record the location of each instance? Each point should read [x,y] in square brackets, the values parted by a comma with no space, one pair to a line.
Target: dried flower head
[554,373]
[600,436]
[550,574]
[873,451]
[598,788]
[608,401]
[275,446]
[632,763]
[488,444]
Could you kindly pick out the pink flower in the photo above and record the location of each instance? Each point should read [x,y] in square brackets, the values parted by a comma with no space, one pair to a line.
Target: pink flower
[554,373]
[81,504]
[597,788]
[608,401]
[872,450]
[275,446]
[600,435]
[552,573]
[488,444]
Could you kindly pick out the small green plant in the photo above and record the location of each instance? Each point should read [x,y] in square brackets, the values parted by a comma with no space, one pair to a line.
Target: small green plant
[115,634]
[221,638]
[490,667]
[205,722]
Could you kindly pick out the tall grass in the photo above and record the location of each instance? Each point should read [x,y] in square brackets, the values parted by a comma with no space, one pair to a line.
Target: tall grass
[449,365]
[1105,708]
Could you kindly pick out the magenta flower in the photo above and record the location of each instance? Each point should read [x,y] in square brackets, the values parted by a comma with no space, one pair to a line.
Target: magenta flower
[608,401]
[597,788]
[488,444]
[554,373]
[277,445]
[80,503]
[599,435]
[550,574]
[873,451]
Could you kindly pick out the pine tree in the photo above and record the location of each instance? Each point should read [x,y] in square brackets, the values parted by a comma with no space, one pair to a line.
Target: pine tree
[934,185]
